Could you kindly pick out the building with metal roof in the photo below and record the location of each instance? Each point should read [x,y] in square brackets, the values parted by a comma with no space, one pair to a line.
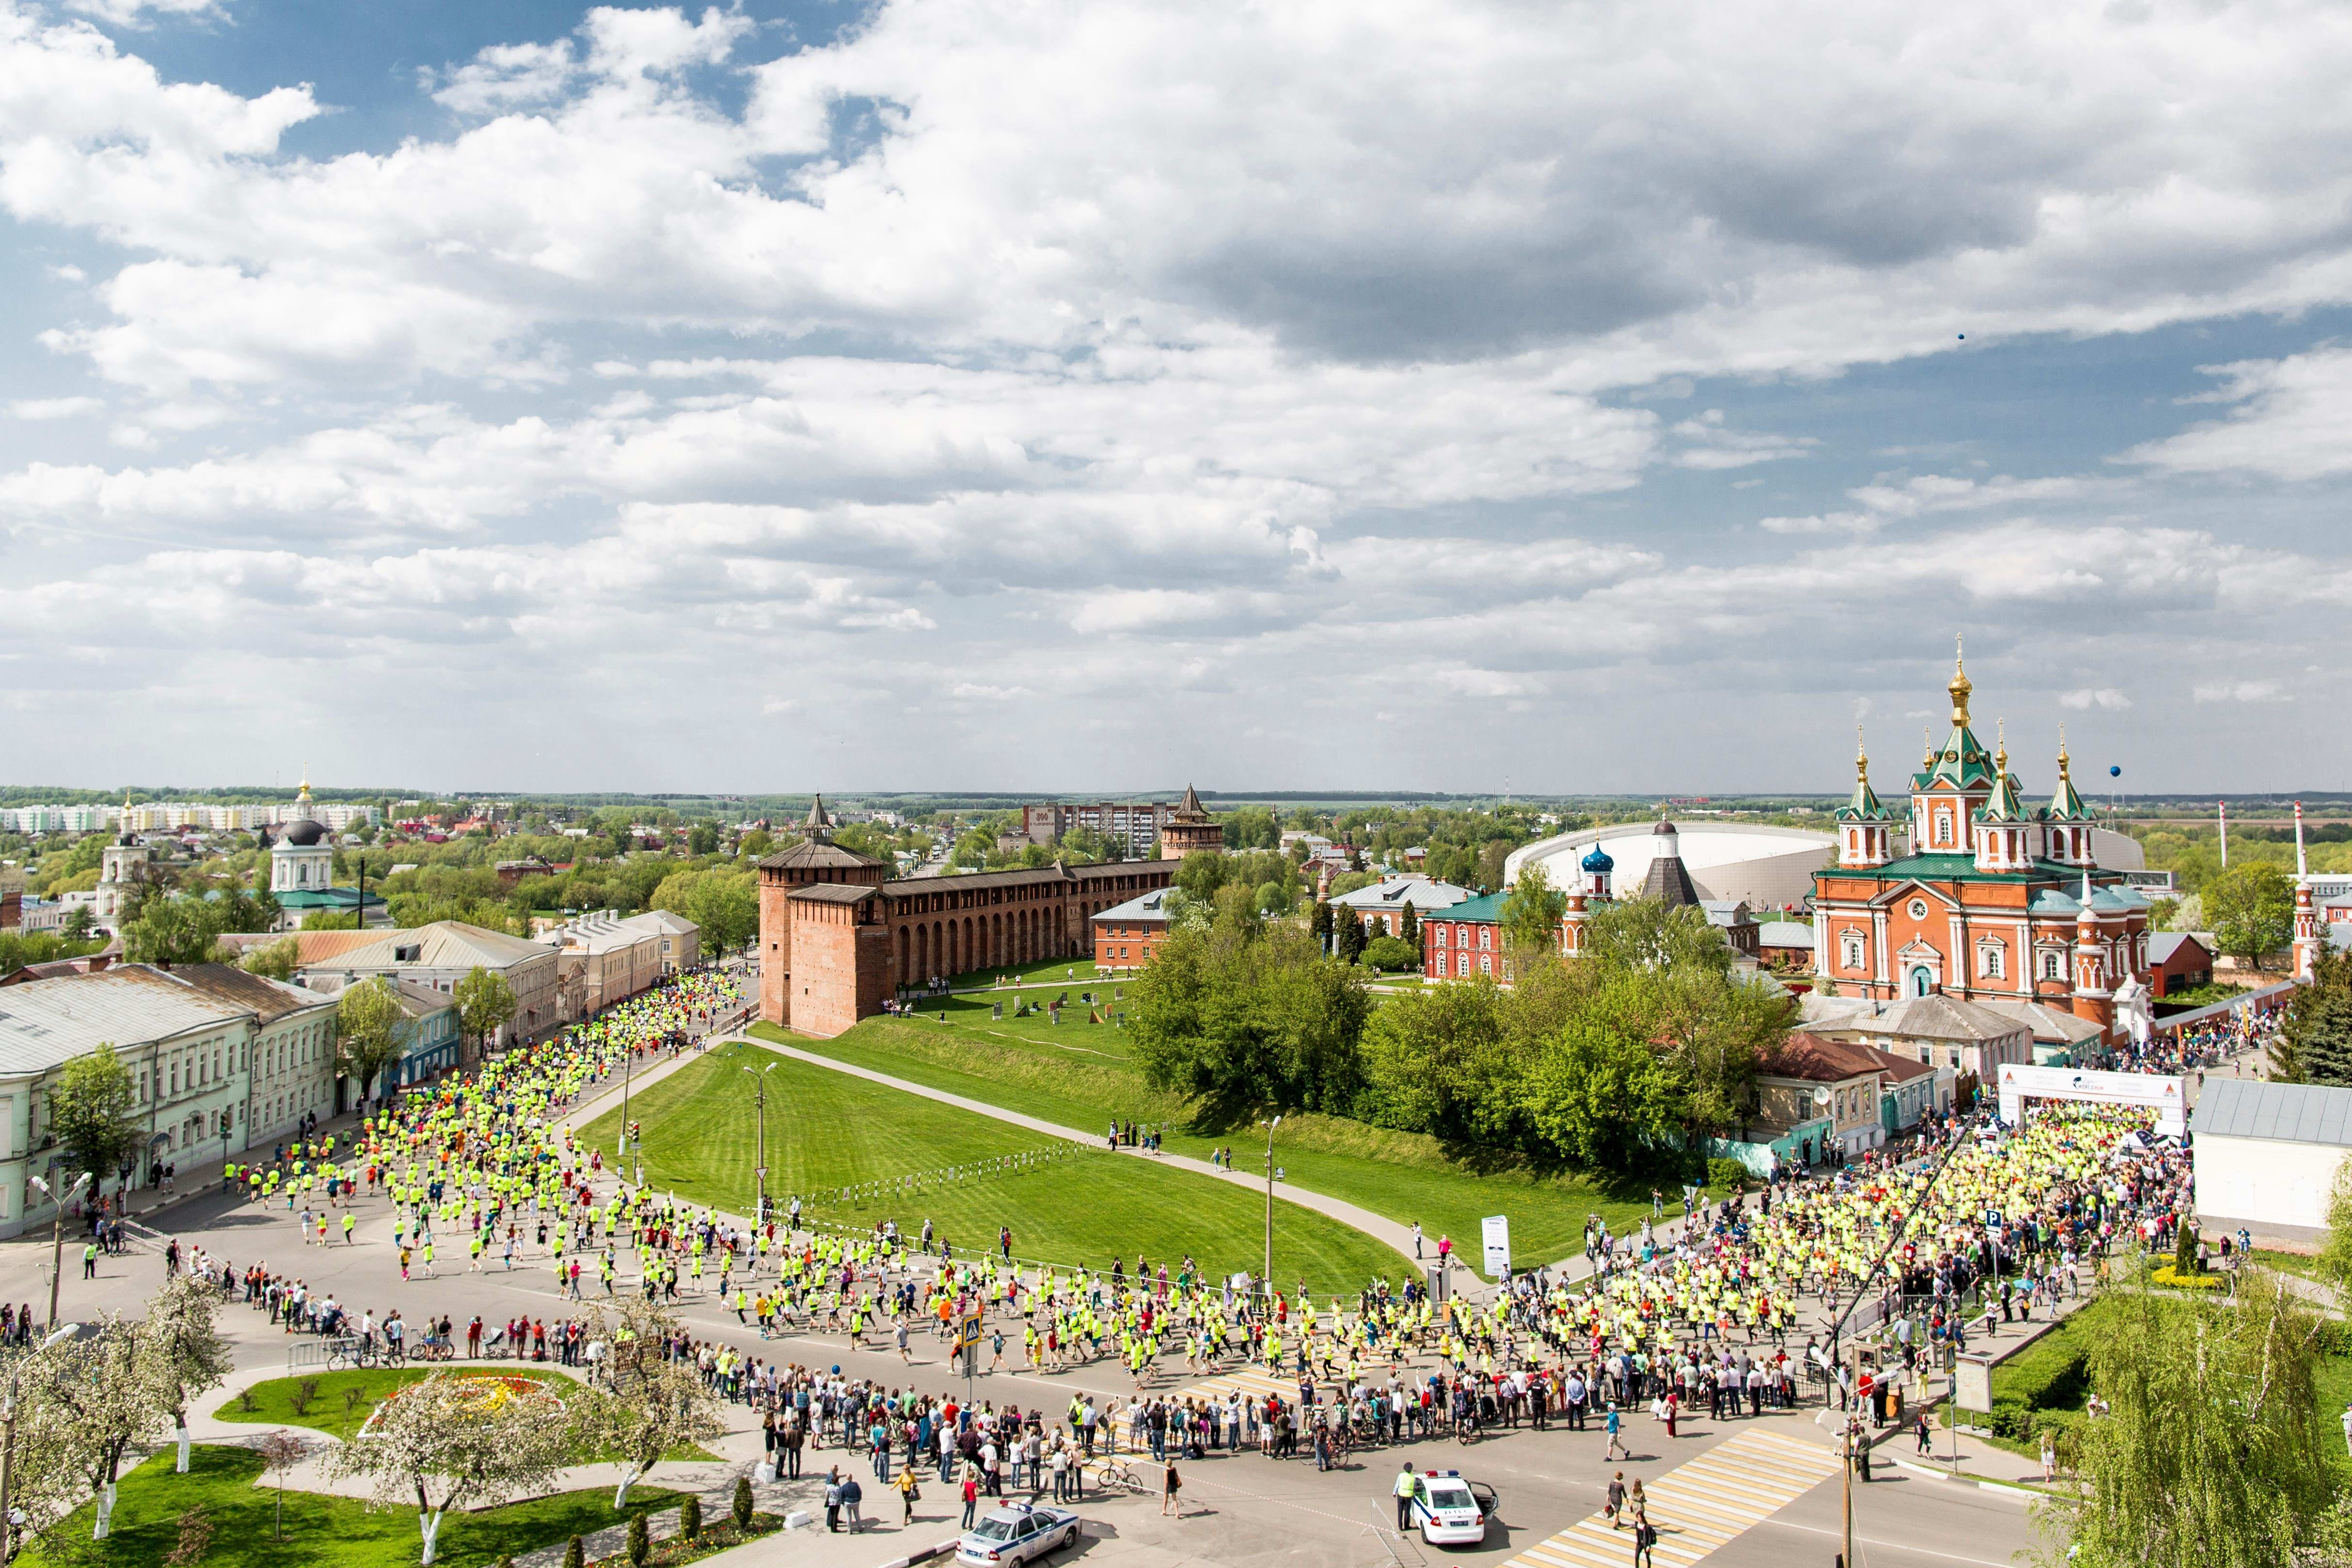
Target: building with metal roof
[2266,1157]
[221,1060]
[440,954]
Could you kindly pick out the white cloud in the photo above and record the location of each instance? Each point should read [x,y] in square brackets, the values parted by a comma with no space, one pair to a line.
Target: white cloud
[137,12]
[1821,523]
[2240,692]
[984,350]
[55,407]
[2289,422]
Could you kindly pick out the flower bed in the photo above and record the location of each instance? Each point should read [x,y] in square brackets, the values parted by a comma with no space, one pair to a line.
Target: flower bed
[485,1392]
[718,1535]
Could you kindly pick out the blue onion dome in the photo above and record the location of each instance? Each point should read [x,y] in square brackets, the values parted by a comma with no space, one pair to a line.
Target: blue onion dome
[1598,861]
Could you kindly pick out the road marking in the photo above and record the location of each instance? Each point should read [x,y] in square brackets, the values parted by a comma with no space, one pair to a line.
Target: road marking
[1890,1545]
[1700,1507]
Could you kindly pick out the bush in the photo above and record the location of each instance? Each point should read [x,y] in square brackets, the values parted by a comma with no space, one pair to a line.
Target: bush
[641,1541]
[741,1508]
[2173,1278]
[1727,1175]
[1390,953]
[690,1518]
[575,1556]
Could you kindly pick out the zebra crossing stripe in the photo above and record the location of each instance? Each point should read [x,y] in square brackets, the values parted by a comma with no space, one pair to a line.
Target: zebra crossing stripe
[1698,1508]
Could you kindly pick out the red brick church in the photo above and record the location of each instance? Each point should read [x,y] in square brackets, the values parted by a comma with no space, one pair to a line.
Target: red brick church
[1991,899]
[838,936]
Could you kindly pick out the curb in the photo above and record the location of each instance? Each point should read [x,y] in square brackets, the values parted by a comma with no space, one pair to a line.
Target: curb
[941,1549]
[2003,1488]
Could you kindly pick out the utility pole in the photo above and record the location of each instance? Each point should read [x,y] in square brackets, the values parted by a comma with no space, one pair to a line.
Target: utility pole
[760,1078]
[1270,1126]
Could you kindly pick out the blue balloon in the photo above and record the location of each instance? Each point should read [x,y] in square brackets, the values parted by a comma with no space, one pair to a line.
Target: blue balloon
[2115,772]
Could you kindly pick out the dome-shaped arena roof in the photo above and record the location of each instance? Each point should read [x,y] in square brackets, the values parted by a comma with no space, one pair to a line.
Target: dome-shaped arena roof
[1769,867]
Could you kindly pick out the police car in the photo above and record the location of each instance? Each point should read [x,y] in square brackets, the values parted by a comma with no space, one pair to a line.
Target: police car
[1450,1510]
[1022,1532]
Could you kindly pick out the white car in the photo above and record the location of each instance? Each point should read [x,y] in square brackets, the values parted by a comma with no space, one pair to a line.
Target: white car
[1450,1510]
[1021,1532]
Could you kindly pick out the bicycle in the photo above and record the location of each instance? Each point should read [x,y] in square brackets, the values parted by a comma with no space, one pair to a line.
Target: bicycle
[1117,1472]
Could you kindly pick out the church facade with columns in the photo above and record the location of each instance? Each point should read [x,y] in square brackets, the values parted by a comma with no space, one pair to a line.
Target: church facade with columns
[1989,898]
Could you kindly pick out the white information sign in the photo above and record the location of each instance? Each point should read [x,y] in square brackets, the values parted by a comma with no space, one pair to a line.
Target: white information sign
[1496,1233]
[2019,1084]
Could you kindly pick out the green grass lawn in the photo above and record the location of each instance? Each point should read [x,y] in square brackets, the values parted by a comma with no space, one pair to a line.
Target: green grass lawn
[826,1130]
[1077,971]
[318,1528]
[341,1403]
[1077,1077]
[343,1399]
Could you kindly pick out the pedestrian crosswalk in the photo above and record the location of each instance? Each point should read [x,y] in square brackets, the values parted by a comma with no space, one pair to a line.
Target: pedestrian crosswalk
[1700,1507]
[1249,1382]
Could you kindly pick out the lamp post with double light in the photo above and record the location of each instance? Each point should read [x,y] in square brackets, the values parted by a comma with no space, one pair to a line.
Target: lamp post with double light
[57,1233]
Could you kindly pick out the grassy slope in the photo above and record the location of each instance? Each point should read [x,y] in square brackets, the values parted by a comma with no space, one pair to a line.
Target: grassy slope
[321,1529]
[1077,1074]
[826,1130]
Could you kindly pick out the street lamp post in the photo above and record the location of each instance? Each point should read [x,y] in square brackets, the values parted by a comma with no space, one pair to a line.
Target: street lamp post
[628,1066]
[760,1078]
[1270,1126]
[57,1234]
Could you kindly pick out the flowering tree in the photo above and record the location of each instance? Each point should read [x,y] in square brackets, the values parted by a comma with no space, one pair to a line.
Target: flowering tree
[648,1404]
[95,1398]
[182,1351]
[456,1441]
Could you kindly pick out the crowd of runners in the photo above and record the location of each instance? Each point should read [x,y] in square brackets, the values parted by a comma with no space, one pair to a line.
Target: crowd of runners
[1726,1313]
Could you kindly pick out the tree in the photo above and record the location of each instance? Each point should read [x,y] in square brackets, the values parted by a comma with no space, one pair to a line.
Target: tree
[723,903]
[167,931]
[2252,907]
[1347,931]
[454,1441]
[98,1397]
[77,923]
[186,1352]
[2316,1036]
[1320,922]
[1390,953]
[702,839]
[367,1031]
[1531,914]
[1275,897]
[485,1003]
[2210,1449]
[93,1114]
[280,1452]
[1408,928]
[654,1402]
[755,843]
[1602,1098]
[1261,1019]
[277,960]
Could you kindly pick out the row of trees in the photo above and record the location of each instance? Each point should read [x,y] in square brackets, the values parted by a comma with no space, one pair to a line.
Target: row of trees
[93,1398]
[1621,1060]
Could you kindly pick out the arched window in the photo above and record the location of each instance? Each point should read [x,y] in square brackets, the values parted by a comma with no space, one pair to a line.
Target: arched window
[2053,964]
[1989,964]
[1923,983]
[1850,950]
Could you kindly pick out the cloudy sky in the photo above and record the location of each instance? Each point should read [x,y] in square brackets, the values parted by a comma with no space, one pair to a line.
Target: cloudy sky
[1077,394]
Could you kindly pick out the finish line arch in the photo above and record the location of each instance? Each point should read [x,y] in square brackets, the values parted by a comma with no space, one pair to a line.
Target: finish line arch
[2160,1093]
